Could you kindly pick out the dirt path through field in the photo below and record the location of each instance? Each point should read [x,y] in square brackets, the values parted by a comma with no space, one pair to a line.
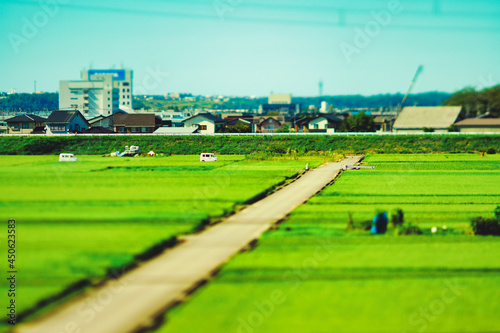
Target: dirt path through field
[136,298]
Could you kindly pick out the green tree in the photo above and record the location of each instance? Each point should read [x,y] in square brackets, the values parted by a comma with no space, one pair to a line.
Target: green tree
[283,129]
[239,127]
[358,123]
[138,104]
[476,103]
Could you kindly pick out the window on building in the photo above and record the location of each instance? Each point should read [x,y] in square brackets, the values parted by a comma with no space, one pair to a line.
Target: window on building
[56,128]
[125,83]
[109,106]
[109,98]
[128,90]
[270,127]
[316,126]
[109,92]
[123,89]
[136,129]
[128,103]
[26,126]
[203,127]
[144,130]
[122,129]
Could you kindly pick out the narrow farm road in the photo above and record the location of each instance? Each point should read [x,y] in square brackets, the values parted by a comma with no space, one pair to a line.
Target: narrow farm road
[135,299]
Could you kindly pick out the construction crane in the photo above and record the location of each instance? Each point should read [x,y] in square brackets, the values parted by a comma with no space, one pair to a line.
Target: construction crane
[419,70]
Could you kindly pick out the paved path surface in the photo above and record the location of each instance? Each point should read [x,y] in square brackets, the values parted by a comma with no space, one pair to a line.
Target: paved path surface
[135,299]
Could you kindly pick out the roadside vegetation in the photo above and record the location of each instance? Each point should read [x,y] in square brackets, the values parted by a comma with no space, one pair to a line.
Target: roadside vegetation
[241,145]
[310,274]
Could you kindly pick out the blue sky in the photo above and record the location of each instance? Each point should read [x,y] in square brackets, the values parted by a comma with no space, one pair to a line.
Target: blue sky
[251,47]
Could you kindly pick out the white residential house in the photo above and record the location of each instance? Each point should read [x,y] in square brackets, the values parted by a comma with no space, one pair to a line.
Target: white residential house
[205,122]
[324,123]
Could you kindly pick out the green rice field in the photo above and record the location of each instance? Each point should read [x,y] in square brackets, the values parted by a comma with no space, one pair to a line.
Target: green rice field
[78,220]
[310,275]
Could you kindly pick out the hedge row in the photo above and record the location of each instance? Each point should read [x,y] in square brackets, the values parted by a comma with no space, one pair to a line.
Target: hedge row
[45,145]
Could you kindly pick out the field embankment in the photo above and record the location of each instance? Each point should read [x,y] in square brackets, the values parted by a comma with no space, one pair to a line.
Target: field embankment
[89,145]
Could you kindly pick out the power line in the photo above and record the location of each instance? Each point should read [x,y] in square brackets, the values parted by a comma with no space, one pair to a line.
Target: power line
[342,16]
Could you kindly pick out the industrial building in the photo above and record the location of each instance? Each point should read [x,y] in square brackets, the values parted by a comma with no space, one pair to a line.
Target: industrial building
[280,103]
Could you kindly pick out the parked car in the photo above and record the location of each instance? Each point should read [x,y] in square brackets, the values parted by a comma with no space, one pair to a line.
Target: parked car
[65,157]
[208,157]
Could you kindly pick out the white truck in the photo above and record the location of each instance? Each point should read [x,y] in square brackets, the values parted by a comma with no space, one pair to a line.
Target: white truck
[208,157]
[66,157]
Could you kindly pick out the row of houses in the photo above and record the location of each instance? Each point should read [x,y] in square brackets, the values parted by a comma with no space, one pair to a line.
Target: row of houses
[65,122]
[410,120]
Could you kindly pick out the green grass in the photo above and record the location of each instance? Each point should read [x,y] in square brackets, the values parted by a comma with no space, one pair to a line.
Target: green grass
[309,275]
[271,144]
[77,220]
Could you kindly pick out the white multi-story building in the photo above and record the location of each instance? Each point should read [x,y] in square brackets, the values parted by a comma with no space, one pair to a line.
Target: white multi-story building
[100,92]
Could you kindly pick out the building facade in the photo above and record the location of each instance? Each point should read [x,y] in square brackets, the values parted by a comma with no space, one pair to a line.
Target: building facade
[281,104]
[206,123]
[122,80]
[100,92]
[25,124]
[65,122]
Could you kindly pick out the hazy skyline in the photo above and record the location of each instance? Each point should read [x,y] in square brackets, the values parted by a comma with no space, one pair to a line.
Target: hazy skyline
[247,47]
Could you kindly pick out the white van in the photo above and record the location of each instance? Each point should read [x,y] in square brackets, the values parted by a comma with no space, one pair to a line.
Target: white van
[208,157]
[65,157]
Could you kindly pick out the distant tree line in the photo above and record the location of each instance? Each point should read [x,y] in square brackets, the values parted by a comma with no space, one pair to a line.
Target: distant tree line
[29,102]
[474,102]
[375,101]
[477,103]
[347,101]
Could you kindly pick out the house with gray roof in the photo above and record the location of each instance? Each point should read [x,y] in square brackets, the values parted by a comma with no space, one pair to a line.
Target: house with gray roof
[64,122]
[415,119]
[136,122]
[26,124]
